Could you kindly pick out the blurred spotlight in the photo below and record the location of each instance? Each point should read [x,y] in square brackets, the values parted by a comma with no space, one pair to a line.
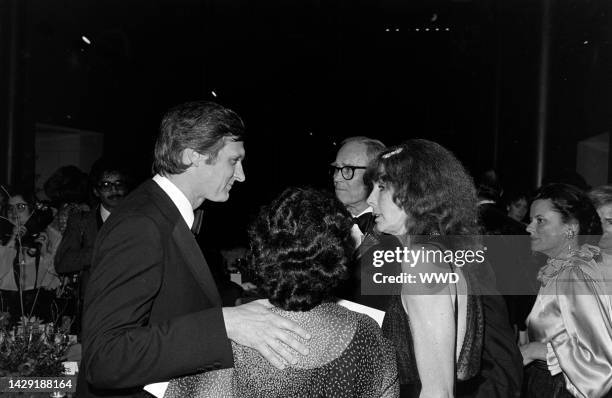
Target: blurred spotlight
[85,39]
[213,93]
[387,30]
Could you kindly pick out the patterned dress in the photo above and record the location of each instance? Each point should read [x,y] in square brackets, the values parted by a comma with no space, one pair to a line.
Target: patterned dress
[348,358]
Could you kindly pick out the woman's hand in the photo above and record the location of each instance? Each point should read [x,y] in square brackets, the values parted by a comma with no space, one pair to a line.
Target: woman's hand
[533,351]
[255,326]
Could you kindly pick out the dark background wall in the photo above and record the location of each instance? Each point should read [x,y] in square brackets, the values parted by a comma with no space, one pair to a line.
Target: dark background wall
[305,74]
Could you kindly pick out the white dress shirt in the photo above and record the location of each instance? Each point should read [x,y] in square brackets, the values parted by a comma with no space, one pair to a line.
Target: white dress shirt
[104,213]
[356,233]
[178,198]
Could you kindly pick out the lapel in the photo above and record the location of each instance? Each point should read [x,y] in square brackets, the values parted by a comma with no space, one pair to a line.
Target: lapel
[191,253]
[367,241]
[186,243]
[96,218]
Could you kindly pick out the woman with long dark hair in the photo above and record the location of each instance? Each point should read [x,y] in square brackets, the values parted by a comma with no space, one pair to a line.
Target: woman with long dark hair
[449,339]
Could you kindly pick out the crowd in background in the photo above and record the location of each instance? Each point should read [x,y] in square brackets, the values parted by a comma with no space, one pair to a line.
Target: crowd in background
[46,251]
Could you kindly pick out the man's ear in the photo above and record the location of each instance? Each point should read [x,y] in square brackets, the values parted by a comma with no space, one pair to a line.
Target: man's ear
[193,158]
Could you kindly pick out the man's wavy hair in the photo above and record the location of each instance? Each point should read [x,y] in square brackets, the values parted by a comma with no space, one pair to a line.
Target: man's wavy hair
[202,126]
[573,204]
[431,185]
[300,247]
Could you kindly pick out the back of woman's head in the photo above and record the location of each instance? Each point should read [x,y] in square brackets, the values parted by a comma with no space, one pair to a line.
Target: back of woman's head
[573,205]
[67,184]
[300,245]
[431,185]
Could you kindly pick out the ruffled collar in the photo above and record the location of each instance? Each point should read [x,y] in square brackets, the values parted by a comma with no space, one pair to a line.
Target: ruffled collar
[553,266]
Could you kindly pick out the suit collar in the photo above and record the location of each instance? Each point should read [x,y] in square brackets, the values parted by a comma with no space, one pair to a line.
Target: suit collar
[192,254]
[162,201]
[98,218]
[178,198]
[185,241]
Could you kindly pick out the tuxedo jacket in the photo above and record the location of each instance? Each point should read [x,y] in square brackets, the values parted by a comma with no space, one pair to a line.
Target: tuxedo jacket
[152,311]
[361,269]
[76,248]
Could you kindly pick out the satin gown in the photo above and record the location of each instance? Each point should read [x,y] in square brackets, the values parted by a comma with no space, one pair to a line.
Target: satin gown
[572,316]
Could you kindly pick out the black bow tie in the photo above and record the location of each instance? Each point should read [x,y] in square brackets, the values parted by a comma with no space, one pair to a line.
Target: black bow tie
[363,222]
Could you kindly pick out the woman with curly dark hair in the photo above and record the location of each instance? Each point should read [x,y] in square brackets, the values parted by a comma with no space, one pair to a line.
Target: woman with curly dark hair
[443,332]
[570,325]
[299,254]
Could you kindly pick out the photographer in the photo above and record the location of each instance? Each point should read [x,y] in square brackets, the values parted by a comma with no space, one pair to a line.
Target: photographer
[26,258]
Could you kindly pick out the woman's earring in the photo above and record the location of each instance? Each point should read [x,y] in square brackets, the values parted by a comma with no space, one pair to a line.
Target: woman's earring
[570,234]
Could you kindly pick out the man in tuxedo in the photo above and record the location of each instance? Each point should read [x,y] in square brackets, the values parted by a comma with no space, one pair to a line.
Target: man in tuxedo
[348,170]
[109,181]
[152,310]
[352,160]
[509,253]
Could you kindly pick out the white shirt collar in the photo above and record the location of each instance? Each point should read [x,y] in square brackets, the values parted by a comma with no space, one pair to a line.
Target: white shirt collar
[178,198]
[356,232]
[485,202]
[104,213]
[368,210]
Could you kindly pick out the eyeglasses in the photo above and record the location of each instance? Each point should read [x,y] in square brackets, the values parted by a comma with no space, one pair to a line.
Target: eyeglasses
[18,207]
[348,172]
[106,185]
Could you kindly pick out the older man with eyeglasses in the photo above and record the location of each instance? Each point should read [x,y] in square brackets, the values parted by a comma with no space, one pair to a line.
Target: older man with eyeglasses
[347,171]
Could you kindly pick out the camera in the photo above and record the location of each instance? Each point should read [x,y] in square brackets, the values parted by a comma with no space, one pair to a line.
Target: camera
[41,217]
[6,231]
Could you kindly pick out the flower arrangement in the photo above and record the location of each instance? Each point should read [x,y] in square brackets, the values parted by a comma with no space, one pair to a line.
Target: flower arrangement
[32,348]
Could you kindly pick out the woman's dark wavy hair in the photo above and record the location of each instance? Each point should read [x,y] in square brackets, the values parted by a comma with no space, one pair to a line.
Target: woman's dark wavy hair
[300,245]
[431,185]
[574,205]
[67,184]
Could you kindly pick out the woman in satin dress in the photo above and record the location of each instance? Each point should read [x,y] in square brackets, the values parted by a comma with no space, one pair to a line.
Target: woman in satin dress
[570,325]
